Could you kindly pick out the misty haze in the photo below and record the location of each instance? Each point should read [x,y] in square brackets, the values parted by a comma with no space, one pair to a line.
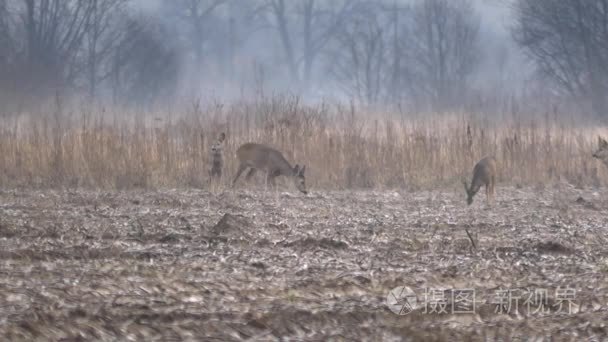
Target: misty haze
[294,170]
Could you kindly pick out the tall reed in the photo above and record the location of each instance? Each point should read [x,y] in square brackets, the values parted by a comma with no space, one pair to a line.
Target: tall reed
[342,146]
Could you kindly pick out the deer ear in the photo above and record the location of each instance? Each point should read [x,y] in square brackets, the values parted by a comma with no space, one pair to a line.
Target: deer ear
[296,169]
[302,170]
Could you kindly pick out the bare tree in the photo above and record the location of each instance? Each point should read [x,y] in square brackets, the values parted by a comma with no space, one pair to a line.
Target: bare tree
[196,15]
[7,35]
[318,22]
[101,38]
[54,34]
[9,53]
[51,46]
[568,41]
[397,14]
[443,50]
[5,32]
[145,63]
[359,62]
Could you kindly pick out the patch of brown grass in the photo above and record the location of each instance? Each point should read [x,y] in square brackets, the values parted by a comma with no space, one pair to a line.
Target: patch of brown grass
[341,146]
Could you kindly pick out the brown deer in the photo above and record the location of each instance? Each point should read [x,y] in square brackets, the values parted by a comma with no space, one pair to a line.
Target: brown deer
[217,157]
[484,174]
[262,157]
[602,151]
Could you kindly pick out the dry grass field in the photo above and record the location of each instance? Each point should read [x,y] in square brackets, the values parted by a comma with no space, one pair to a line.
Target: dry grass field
[343,147]
[109,230]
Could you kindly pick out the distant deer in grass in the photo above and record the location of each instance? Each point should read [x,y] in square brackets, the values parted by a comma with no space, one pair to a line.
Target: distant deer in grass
[602,151]
[484,174]
[217,157]
[262,157]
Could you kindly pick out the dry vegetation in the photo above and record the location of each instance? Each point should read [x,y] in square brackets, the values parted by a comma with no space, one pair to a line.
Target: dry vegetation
[342,147]
[168,265]
[109,230]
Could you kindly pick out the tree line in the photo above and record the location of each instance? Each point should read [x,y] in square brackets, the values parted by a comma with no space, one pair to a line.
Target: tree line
[423,53]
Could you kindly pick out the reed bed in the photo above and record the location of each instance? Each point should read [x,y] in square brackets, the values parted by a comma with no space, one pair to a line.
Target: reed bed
[343,147]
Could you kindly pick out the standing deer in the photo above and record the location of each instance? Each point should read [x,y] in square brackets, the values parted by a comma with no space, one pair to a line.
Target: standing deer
[262,157]
[217,157]
[602,151]
[484,174]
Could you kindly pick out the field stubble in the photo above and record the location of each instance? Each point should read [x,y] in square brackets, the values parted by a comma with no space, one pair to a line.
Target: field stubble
[190,264]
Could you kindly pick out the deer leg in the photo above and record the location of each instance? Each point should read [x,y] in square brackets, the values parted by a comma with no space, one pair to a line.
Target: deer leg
[250,174]
[493,193]
[490,191]
[270,179]
[488,187]
[210,177]
[242,168]
[216,172]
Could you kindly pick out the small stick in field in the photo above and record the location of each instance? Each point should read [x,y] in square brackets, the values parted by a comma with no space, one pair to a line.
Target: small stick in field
[471,239]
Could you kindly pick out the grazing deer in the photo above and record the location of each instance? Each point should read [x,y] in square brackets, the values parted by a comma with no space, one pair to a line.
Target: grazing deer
[484,174]
[262,157]
[602,151]
[217,157]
